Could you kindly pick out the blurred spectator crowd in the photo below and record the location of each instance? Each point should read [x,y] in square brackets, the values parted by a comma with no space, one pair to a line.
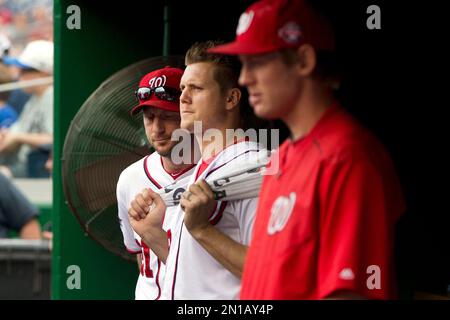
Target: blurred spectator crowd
[26,89]
[23,21]
[26,108]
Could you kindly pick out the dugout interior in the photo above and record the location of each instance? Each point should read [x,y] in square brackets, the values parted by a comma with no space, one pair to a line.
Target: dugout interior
[114,35]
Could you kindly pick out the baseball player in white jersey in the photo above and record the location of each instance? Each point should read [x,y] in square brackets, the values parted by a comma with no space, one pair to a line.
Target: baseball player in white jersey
[158,96]
[209,238]
[192,271]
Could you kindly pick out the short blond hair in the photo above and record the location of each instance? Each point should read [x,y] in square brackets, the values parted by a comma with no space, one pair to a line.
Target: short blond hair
[227,68]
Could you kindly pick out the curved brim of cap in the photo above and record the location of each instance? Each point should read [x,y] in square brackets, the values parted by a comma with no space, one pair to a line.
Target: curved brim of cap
[241,48]
[15,62]
[160,104]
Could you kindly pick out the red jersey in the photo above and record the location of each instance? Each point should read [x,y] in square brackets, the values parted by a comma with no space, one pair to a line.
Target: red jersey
[325,222]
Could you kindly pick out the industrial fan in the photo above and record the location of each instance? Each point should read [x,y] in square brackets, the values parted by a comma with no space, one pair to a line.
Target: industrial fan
[103,139]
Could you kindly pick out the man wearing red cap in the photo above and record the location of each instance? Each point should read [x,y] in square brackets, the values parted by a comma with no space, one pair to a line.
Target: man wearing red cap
[210,238]
[158,95]
[324,224]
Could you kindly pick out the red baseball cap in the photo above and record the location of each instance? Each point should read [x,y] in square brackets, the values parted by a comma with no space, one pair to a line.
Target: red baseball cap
[271,25]
[166,77]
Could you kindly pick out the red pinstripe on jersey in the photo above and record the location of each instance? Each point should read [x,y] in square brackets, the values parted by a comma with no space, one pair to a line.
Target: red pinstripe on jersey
[157,280]
[146,250]
[176,266]
[219,215]
[149,176]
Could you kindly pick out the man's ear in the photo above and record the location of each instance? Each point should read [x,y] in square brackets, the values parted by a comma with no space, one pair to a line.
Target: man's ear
[233,98]
[307,60]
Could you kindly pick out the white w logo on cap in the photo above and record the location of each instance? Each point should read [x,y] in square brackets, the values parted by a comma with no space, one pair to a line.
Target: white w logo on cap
[244,22]
[157,81]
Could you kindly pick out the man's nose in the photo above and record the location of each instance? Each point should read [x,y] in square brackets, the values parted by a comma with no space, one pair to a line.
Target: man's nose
[158,125]
[184,97]
[244,77]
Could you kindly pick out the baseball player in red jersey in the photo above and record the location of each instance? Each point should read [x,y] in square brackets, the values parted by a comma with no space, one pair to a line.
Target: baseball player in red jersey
[325,223]
[158,96]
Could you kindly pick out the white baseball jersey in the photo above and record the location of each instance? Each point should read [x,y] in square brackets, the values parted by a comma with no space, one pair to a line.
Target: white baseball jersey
[146,173]
[191,272]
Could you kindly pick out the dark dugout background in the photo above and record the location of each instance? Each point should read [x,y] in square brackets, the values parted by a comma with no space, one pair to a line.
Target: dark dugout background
[385,74]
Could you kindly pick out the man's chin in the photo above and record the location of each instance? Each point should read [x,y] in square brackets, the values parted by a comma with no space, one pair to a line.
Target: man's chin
[187,125]
[163,148]
[265,113]
[163,152]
